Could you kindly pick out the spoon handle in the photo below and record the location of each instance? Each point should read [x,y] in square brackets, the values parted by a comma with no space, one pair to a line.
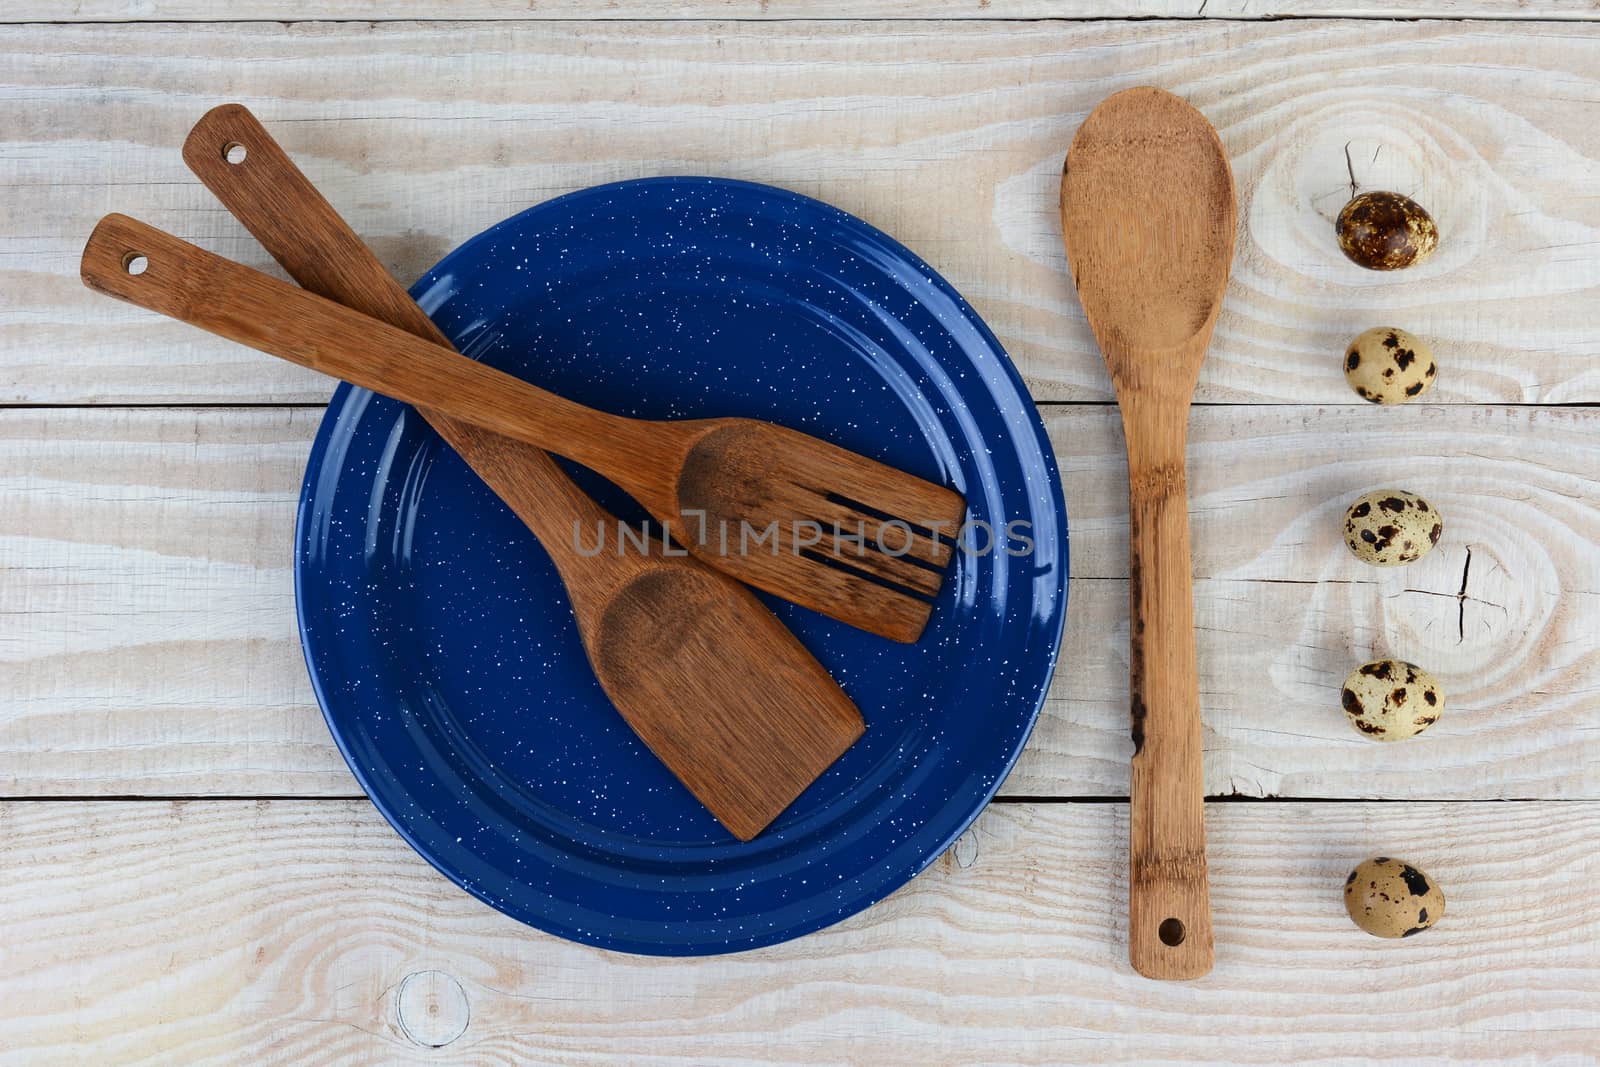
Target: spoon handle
[136,262]
[1169,933]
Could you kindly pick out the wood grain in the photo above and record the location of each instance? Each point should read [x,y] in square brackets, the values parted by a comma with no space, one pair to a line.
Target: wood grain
[148,641]
[308,933]
[478,10]
[948,135]
[147,621]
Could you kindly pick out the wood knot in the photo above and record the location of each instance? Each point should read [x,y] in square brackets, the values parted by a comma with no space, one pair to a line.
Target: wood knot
[965,851]
[431,1008]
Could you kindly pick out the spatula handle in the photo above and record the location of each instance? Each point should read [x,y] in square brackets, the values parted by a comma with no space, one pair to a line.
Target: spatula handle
[239,161]
[138,263]
[1169,933]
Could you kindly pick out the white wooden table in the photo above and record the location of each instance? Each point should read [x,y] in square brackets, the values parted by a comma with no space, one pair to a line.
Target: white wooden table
[188,873]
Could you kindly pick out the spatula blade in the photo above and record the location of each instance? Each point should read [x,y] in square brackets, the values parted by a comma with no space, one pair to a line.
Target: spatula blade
[721,692]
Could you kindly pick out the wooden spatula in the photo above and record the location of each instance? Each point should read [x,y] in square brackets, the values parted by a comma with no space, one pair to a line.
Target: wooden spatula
[710,679]
[771,502]
[1147,212]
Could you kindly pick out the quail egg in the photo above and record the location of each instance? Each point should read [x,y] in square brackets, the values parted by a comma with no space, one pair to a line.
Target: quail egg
[1391,700]
[1385,231]
[1392,898]
[1391,527]
[1387,365]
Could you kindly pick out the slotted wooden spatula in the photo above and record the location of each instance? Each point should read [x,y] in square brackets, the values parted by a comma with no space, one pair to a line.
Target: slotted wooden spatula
[710,679]
[769,500]
[1147,212]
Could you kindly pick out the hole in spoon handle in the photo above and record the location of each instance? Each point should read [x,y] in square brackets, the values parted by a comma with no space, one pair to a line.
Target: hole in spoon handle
[1169,928]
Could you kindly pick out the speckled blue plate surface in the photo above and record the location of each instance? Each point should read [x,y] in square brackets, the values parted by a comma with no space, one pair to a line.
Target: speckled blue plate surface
[441,644]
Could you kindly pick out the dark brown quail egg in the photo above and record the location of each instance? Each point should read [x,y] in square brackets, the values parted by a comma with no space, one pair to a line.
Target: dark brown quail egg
[1386,231]
[1391,527]
[1387,365]
[1391,700]
[1392,898]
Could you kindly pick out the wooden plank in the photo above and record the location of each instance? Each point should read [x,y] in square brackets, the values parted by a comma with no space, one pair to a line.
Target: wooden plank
[147,626]
[487,10]
[307,932]
[148,637]
[948,135]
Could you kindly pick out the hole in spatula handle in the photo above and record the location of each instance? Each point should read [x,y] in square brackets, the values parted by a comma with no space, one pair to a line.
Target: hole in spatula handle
[1171,932]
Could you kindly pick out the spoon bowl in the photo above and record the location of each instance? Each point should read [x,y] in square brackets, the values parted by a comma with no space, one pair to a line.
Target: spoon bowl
[1148,216]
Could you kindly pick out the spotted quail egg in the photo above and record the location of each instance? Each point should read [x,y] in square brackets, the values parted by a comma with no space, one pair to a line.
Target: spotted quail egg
[1391,700]
[1385,231]
[1390,527]
[1392,898]
[1387,365]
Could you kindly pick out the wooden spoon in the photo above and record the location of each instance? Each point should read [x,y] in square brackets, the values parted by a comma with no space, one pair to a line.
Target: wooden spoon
[711,680]
[763,503]
[1147,212]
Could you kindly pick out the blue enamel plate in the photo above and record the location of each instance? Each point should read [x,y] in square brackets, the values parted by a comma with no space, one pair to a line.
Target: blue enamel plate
[442,646]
